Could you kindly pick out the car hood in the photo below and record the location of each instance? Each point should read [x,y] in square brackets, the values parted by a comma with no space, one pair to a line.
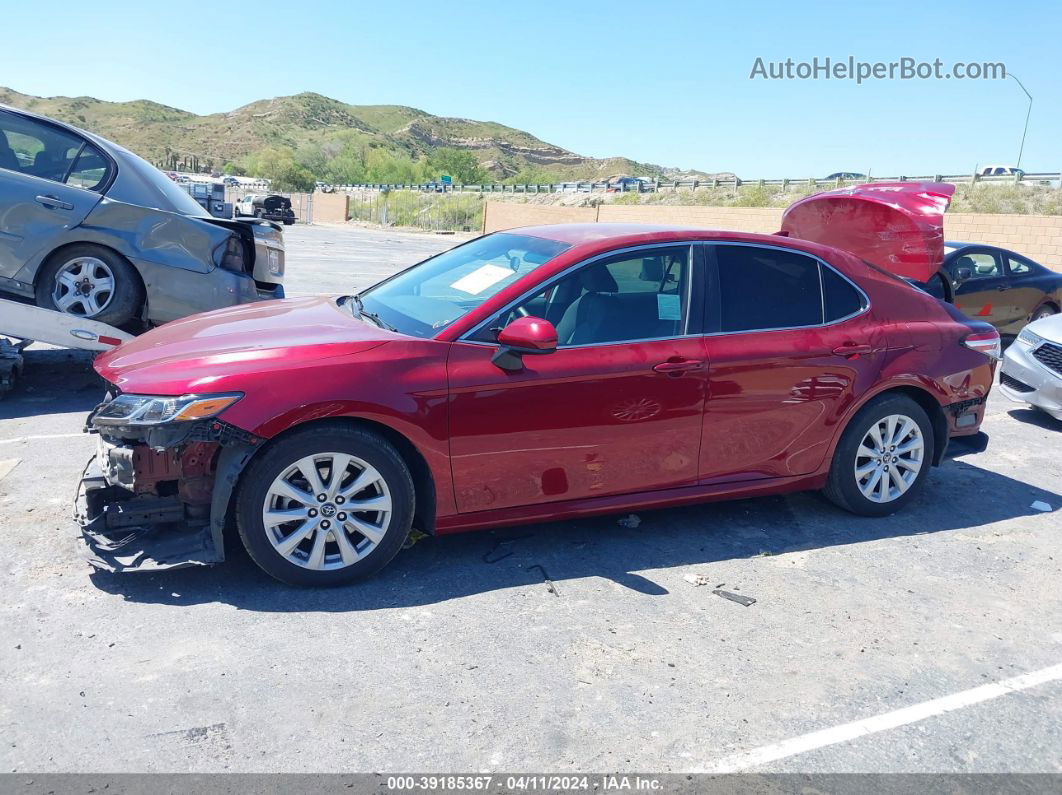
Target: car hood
[898,226]
[210,351]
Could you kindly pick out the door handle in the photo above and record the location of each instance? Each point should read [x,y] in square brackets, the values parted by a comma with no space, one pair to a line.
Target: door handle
[1003,287]
[852,349]
[54,201]
[679,367]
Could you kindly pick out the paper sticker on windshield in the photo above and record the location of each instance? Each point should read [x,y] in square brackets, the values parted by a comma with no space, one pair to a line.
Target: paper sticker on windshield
[668,307]
[481,278]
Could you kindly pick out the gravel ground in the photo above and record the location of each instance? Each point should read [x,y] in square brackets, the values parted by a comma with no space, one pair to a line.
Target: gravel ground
[461,656]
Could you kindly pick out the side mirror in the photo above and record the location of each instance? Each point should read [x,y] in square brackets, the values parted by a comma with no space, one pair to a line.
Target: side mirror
[524,336]
[962,274]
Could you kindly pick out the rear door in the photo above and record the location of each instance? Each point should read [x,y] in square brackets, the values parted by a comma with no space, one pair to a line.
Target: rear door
[986,294]
[790,345]
[49,181]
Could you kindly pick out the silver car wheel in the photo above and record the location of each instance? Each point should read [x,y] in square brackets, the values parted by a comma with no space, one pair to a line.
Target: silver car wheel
[889,458]
[327,511]
[84,287]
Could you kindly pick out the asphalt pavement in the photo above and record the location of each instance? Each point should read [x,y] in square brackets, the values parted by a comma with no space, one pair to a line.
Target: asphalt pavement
[873,645]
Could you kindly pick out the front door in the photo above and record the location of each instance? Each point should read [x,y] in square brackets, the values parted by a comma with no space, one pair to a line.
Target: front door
[789,348]
[615,409]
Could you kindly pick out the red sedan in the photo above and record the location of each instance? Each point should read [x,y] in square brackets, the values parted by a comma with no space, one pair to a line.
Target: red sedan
[538,374]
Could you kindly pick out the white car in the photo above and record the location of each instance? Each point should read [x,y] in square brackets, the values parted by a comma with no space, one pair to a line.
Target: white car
[1032,366]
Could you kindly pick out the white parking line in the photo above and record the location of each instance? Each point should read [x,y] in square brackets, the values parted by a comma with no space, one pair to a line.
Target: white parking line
[19,439]
[879,723]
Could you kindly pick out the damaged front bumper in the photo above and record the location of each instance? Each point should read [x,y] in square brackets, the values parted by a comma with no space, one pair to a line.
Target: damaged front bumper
[142,506]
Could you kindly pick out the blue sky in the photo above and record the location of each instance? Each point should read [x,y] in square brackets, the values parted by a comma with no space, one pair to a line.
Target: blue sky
[665,82]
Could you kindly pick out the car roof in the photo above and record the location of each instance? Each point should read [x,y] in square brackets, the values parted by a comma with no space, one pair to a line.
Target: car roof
[632,234]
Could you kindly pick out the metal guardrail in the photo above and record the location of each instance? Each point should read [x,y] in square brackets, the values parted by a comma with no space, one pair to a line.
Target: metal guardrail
[1049,178]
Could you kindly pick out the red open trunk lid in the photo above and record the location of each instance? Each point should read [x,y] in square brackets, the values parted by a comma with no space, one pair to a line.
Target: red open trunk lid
[898,226]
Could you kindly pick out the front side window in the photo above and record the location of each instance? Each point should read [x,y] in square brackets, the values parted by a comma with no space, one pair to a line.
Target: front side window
[766,288]
[981,265]
[640,295]
[430,296]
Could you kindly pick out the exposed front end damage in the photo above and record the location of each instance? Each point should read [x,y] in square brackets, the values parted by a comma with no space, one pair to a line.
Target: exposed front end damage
[156,497]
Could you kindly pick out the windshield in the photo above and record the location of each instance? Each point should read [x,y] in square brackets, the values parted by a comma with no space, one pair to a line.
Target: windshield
[430,296]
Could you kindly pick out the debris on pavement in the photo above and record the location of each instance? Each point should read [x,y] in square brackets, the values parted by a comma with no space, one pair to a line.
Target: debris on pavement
[545,578]
[744,601]
[413,537]
[696,579]
[497,552]
[630,521]
[1038,505]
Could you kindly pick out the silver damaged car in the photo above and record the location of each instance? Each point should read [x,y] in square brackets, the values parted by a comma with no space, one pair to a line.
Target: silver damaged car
[90,229]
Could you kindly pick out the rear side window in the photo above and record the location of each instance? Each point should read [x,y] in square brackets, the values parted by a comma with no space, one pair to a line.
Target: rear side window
[1018,267]
[40,150]
[766,288]
[840,297]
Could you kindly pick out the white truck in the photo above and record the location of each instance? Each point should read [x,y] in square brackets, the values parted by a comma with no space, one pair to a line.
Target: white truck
[24,323]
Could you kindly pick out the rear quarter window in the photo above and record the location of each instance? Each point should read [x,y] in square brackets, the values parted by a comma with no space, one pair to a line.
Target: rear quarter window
[841,298]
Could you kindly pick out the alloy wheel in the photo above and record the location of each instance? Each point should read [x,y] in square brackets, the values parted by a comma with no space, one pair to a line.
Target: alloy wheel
[84,287]
[889,458]
[327,511]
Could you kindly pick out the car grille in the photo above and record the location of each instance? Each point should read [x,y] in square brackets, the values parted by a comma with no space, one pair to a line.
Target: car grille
[1050,355]
[1014,383]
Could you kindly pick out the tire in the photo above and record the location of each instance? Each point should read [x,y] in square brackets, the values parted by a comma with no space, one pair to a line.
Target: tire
[90,268]
[848,490]
[1044,311]
[257,213]
[303,552]
[288,222]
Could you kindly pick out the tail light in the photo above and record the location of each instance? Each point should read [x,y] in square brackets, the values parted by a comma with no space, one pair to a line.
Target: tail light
[231,254]
[986,342]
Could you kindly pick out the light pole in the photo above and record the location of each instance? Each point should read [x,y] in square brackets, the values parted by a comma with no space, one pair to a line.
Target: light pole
[1027,114]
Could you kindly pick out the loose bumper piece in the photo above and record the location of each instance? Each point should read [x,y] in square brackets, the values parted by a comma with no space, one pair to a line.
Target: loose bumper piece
[142,533]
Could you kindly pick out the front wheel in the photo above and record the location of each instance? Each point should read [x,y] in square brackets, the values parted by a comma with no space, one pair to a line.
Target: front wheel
[325,506]
[883,457]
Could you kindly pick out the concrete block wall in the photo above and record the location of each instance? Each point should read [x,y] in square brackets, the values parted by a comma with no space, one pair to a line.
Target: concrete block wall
[331,208]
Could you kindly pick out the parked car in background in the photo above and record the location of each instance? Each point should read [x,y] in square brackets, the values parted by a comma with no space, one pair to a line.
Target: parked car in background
[1032,366]
[625,184]
[230,182]
[1000,171]
[90,229]
[271,207]
[536,374]
[997,285]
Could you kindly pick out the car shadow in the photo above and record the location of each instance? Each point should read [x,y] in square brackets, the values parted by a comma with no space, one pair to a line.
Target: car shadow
[450,567]
[1040,419]
[53,381]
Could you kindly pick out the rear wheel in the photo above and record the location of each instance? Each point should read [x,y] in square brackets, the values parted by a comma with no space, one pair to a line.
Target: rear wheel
[92,282]
[325,506]
[883,457]
[1042,312]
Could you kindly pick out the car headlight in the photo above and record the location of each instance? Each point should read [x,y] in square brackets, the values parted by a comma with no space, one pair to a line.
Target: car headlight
[152,410]
[1029,338]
